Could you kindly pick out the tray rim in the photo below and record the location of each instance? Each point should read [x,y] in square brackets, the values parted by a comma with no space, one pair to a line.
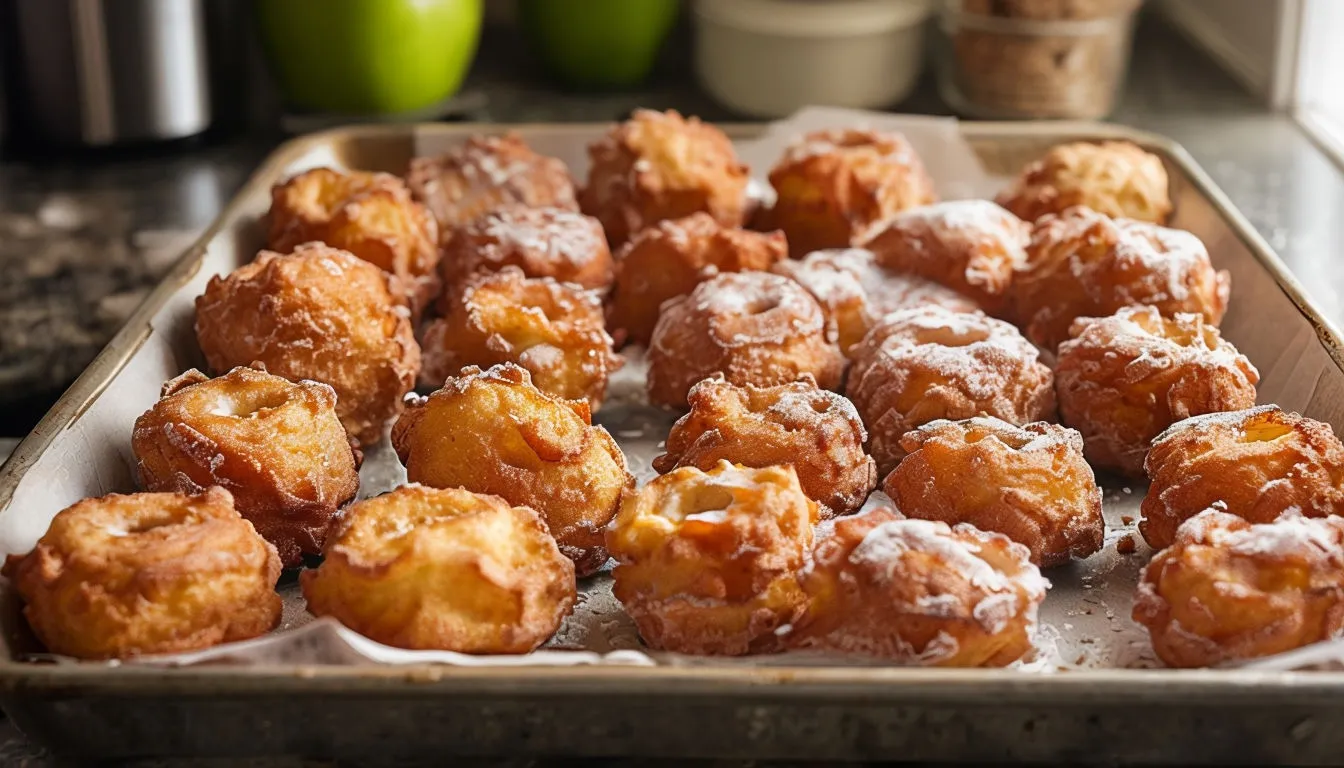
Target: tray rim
[870,682]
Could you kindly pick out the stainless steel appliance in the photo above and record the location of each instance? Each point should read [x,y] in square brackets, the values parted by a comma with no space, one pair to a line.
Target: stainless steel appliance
[102,72]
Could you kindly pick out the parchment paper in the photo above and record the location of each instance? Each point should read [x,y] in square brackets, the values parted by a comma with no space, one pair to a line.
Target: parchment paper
[1084,621]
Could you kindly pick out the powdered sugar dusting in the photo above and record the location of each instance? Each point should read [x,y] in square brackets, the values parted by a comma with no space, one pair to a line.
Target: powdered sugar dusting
[559,234]
[1292,534]
[889,146]
[889,542]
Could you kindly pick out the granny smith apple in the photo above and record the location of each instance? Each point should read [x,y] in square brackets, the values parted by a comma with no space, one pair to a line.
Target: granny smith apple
[598,43]
[369,56]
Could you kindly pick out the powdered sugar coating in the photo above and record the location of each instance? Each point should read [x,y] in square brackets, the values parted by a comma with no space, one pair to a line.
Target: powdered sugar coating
[543,242]
[752,327]
[1124,379]
[855,291]
[920,592]
[485,173]
[973,246]
[1084,264]
[918,365]
[882,548]
[1228,590]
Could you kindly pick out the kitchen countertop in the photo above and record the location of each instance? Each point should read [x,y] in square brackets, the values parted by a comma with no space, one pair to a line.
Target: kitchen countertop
[82,240]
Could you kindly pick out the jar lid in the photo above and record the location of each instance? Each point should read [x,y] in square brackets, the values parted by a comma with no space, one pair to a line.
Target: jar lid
[815,18]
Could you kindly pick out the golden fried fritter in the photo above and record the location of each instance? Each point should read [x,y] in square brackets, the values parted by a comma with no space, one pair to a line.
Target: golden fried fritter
[855,291]
[670,258]
[972,246]
[919,365]
[485,173]
[816,432]
[431,569]
[1115,178]
[1255,463]
[1227,590]
[832,186]
[1029,483]
[543,242]
[1083,264]
[659,165]
[146,573]
[753,327]
[554,330]
[276,445]
[370,215]
[920,593]
[493,432]
[1122,380]
[320,314]
[708,561]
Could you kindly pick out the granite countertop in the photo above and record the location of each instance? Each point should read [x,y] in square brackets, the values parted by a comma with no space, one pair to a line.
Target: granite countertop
[83,240]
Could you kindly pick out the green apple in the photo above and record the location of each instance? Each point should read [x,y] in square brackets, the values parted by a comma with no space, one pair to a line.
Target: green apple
[598,43]
[369,56]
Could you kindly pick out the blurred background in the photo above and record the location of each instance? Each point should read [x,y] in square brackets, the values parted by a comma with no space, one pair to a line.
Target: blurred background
[126,125]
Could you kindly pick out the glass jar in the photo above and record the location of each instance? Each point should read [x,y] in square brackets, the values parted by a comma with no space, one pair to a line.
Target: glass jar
[1034,58]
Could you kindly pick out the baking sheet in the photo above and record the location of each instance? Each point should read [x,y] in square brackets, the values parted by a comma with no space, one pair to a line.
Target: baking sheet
[1084,620]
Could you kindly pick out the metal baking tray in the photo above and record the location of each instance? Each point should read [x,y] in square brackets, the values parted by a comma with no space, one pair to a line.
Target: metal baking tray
[1090,706]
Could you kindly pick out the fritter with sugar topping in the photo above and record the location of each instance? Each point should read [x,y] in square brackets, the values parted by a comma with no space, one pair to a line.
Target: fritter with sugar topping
[752,327]
[488,172]
[1029,483]
[542,242]
[832,186]
[671,258]
[493,432]
[319,314]
[554,330]
[1081,263]
[708,561]
[856,292]
[1122,380]
[1228,590]
[1115,178]
[920,593]
[816,432]
[276,445]
[919,365]
[659,165]
[972,246]
[1255,463]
